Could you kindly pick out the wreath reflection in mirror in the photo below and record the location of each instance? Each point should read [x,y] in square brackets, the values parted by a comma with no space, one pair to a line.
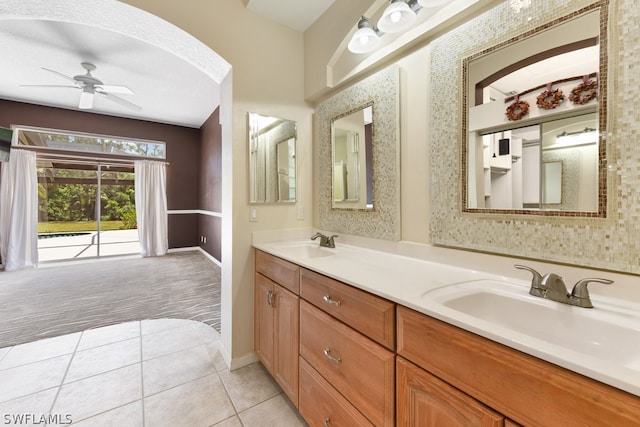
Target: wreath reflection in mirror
[550,98]
[517,110]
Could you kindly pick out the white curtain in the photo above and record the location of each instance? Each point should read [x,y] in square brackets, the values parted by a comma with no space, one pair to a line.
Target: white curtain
[19,211]
[151,207]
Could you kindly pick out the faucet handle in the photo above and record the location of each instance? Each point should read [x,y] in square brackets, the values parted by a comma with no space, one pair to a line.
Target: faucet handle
[330,242]
[580,292]
[536,281]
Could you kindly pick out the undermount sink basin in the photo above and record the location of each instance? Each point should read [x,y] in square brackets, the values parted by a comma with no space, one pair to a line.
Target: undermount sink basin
[608,332]
[305,250]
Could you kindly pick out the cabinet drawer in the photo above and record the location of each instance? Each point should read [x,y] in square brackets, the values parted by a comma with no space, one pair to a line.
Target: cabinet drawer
[424,400]
[513,383]
[279,270]
[322,405]
[367,313]
[360,369]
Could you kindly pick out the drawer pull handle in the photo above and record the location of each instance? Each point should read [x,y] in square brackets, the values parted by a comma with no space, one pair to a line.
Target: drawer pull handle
[332,358]
[326,422]
[328,300]
[270,298]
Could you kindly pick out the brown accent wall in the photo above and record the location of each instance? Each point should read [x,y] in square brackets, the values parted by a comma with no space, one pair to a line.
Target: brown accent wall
[183,153]
[211,184]
[183,230]
[211,227]
[211,164]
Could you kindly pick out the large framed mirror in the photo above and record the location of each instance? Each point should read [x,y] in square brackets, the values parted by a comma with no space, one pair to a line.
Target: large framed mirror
[532,105]
[272,159]
[595,239]
[352,159]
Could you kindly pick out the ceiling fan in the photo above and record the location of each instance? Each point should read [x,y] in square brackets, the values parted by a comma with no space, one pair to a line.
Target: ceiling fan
[91,86]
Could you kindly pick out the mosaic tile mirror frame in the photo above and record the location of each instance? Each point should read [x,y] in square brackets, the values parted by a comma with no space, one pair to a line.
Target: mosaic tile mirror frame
[382,90]
[608,242]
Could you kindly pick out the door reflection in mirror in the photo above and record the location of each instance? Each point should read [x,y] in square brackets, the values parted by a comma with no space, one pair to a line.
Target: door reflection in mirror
[552,165]
[352,138]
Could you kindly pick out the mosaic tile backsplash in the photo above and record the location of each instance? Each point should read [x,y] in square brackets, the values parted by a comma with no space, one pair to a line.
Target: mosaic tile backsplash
[611,243]
[383,222]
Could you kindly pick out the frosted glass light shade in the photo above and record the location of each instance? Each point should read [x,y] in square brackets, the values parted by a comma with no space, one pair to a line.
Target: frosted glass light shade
[397,17]
[432,3]
[86,100]
[364,40]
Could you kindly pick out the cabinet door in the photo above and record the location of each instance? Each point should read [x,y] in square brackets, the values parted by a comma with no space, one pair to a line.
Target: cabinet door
[263,321]
[426,401]
[286,338]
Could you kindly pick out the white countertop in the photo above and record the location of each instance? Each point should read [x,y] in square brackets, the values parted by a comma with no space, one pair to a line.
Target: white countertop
[407,280]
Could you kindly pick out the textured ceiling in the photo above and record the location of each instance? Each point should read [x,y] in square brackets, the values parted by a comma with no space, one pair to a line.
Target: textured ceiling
[174,77]
[295,14]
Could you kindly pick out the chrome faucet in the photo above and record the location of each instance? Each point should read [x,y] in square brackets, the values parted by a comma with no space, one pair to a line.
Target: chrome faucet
[580,293]
[554,288]
[551,286]
[326,242]
[536,289]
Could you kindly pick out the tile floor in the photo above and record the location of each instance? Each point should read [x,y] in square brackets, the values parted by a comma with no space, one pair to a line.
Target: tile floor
[152,373]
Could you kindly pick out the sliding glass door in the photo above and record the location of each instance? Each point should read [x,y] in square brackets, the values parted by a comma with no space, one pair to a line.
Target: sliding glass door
[86,209]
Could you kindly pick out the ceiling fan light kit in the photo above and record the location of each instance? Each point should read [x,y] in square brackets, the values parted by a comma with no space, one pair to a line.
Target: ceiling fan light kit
[90,85]
[86,99]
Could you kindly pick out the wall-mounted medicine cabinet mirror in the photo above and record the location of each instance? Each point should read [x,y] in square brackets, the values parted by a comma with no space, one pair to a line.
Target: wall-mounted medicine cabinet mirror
[533,123]
[352,159]
[272,159]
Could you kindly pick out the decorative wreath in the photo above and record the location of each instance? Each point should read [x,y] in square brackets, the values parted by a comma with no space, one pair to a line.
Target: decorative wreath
[550,99]
[517,110]
[584,92]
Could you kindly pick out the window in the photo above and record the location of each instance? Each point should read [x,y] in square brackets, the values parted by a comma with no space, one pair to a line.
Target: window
[86,191]
[89,143]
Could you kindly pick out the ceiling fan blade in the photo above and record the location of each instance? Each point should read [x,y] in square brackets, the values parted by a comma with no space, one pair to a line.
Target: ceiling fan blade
[115,89]
[121,101]
[61,75]
[65,86]
[86,100]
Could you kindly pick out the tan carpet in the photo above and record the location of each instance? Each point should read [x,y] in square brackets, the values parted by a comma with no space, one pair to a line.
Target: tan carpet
[51,301]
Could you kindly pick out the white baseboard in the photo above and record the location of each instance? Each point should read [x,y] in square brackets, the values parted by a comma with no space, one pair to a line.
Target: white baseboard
[197,248]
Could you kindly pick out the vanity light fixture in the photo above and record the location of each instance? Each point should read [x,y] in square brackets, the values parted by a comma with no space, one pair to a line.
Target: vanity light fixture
[568,139]
[366,38]
[398,16]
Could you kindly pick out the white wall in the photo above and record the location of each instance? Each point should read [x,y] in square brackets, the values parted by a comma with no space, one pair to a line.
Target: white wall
[268,78]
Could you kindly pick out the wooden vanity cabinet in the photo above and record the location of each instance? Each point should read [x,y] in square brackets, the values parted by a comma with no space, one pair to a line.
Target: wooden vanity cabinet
[345,357]
[522,388]
[340,331]
[276,320]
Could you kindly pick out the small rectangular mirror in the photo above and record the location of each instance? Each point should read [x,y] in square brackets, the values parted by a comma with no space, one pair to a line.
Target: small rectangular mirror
[272,159]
